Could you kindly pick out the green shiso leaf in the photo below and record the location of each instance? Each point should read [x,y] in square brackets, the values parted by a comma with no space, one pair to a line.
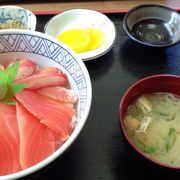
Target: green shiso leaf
[170,138]
[3,90]
[9,97]
[7,77]
[17,88]
[9,74]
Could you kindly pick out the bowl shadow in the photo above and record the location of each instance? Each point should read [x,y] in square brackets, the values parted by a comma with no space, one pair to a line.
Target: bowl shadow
[99,66]
[133,163]
[142,61]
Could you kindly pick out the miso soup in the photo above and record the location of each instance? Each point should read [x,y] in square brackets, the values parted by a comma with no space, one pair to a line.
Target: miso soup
[153,124]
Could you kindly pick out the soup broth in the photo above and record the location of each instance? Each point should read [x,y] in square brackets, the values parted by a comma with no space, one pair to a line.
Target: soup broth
[153,124]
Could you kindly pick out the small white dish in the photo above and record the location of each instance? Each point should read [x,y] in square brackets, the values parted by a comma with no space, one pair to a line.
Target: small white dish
[83,18]
[15,17]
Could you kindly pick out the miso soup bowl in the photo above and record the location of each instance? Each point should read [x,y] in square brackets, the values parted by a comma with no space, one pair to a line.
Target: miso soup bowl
[153,84]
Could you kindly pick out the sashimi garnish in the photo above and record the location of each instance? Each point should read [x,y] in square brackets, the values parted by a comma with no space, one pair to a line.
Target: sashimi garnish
[60,94]
[36,140]
[8,88]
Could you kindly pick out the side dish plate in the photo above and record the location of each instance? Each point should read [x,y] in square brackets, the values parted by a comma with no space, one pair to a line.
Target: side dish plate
[83,18]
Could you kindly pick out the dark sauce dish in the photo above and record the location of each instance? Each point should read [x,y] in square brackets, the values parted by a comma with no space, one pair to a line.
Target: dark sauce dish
[153,25]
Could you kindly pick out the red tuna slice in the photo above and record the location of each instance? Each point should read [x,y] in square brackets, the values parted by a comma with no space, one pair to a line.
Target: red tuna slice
[9,140]
[53,114]
[48,70]
[36,140]
[26,68]
[60,94]
[37,81]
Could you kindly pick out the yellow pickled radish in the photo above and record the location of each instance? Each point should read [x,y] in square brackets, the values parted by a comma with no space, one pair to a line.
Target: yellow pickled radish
[76,39]
[82,39]
[96,38]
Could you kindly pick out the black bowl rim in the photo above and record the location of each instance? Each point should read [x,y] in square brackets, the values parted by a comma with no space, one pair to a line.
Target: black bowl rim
[141,42]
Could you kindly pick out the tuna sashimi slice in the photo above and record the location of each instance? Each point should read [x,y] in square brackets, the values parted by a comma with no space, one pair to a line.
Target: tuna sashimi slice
[36,140]
[60,94]
[37,81]
[9,140]
[53,114]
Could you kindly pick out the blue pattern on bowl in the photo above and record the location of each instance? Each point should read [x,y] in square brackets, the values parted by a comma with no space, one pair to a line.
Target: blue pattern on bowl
[18,42]
[17,14]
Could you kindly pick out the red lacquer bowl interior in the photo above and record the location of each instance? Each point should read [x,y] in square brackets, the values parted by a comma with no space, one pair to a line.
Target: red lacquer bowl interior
[151,84]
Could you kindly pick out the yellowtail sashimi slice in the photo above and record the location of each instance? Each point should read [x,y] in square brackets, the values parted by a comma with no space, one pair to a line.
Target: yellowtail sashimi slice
[37,81]
[48,70]
[26,68]
[53,114]
[36,140]
[60,94]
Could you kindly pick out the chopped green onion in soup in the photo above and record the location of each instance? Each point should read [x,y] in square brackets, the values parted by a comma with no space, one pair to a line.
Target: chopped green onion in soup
[154,121]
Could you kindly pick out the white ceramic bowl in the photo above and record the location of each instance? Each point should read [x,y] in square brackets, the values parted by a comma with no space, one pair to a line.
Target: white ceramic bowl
[47,51]
[83,18]
[26,19]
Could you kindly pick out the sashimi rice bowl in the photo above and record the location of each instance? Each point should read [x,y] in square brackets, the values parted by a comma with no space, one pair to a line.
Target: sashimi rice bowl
[45,98]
